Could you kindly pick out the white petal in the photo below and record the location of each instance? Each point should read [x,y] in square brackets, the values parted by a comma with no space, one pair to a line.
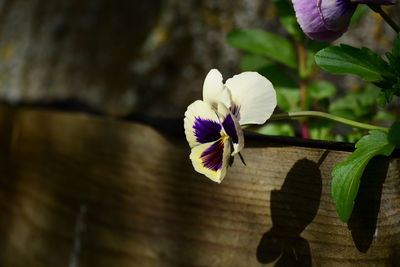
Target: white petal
[200,110]
[214,164]
[254,95]
[232,128]
[213,87]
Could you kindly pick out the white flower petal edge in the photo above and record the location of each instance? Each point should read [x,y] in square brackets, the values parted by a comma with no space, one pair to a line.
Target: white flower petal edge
[211,159]
[253,95]
[213,87]
[198,109]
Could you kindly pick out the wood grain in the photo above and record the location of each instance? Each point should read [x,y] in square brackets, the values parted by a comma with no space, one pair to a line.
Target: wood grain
[80,191]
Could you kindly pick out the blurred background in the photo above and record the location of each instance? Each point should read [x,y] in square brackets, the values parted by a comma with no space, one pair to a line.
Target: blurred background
[147,57]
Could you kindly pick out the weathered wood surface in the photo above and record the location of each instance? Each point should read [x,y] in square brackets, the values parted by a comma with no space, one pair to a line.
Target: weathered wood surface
[80,191]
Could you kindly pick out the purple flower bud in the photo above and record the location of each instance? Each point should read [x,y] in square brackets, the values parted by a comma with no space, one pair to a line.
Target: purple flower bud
[324,20]
[327,20]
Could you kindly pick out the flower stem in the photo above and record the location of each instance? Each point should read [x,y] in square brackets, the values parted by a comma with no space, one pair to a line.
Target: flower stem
[302,60]
[378,9]
[301,114]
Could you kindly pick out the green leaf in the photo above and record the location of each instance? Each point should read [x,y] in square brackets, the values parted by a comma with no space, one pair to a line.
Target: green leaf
[288,18]
[318,91]
[391,85]
[358,105]
[394,134]
[264,43]
[339,138]
[347,107]
[394,63]
[346,175]
[288,98]
[383,115]
[354,136]
[278,77]
[367,96]
[253,62]
[396,46]
[345,59]
[394,56]
[312,48]
[387,94]
[359,13]
[321,89]
[382,100]
[385,97]
[321,130]
[282,129]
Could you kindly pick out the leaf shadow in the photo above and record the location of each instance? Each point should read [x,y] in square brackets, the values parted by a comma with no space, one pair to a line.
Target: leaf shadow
[363,220]
[293,207]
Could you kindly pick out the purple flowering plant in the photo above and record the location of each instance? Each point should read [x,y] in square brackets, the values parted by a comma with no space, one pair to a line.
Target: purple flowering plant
[283,75]
[327,20]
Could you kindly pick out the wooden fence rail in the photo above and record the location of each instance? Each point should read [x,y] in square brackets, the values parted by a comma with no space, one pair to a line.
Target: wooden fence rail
[77,190]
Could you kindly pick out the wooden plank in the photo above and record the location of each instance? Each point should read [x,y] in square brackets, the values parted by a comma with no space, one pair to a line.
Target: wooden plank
[77,190]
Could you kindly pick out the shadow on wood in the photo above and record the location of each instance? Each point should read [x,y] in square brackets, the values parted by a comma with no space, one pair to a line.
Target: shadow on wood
[363,220]
[293,207]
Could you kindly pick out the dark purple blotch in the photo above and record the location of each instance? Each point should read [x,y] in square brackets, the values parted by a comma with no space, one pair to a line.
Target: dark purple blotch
[229,126]
[206,130]
[212,157]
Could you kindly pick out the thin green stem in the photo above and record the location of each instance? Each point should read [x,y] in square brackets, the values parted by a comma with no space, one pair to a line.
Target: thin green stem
[302,61]
[378,9]
[302,114]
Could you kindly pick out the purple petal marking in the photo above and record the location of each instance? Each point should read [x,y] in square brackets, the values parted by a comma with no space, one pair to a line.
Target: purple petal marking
[206,130]
[235,109]
[212,157]
[229,126]
[336,14]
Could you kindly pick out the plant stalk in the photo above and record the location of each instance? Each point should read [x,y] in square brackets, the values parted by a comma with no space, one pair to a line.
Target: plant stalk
[378,9]
[318,114]
[301,54]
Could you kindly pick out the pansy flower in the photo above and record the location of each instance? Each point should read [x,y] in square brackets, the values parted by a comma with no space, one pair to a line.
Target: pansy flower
[327,20]
[213,125]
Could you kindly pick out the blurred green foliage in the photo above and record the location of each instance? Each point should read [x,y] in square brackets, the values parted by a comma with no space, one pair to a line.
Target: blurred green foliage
[289,63]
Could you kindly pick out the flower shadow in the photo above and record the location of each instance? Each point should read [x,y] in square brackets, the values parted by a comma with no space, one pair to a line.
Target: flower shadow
[293,207]
[363,220]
